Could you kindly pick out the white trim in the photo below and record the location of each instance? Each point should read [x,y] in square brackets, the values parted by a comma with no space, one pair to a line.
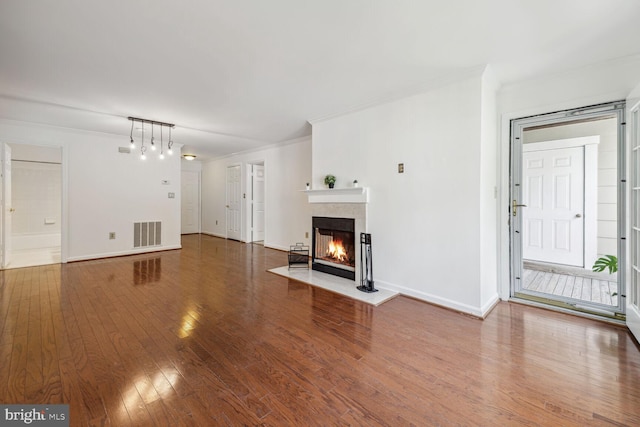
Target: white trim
[561,143]
[632,319]
[339,195]
[122,253]
[480,312]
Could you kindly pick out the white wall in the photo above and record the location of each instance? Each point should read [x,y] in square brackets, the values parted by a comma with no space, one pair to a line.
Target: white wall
[427,223]
[105,191]
[604,82]
[287,212]
[488,190]
[36,195]
[191,165]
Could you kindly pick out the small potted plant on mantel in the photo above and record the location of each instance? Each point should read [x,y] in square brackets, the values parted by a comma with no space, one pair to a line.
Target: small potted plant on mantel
[330,180]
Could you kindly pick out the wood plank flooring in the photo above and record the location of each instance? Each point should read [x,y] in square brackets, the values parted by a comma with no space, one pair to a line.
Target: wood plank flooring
[571,286]
[204,336]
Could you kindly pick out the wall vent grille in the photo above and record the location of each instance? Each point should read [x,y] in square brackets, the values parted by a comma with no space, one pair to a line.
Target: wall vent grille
[147,234]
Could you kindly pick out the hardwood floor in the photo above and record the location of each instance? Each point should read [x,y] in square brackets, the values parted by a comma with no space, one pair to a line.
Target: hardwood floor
[205,336]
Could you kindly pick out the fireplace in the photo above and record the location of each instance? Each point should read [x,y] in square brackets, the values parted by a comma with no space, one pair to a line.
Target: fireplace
[334,246]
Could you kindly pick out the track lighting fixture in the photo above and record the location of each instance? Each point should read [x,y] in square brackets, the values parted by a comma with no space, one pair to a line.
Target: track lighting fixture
[133,144]
[170,144]
[153,123]
[142,147]
[153,144]
[161,145]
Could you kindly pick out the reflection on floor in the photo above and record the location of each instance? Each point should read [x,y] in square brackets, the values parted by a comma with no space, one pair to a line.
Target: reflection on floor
[571,282]
[34,257]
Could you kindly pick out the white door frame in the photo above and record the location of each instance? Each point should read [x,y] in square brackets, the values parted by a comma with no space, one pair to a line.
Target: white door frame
[228,204]
[514,247]
[633,226]
[64,159]
[590,145]
[248,205]
[7,209]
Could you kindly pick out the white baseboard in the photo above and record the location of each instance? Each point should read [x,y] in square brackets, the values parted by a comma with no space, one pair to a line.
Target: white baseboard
[123,253]
[209,233]
[278,247]
[480,312]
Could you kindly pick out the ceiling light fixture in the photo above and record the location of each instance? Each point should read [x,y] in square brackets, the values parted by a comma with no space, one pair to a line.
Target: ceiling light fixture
[153,123]
[133,144]
[142,147]
[189,156]
[170,144]
[153,144]
[161,145]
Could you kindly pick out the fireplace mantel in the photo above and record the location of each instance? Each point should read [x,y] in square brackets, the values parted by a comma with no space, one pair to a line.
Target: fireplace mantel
[339,195]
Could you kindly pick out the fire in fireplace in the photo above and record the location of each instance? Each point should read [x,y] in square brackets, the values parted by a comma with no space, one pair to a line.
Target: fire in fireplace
[334,246]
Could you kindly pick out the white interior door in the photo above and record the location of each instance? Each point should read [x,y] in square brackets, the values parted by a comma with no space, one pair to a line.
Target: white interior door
[7,209]
[633,290]
[257,205]
[553,221]
[190,204]
[234,206]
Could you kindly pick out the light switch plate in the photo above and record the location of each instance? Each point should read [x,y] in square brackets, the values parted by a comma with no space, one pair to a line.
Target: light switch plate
[172,195]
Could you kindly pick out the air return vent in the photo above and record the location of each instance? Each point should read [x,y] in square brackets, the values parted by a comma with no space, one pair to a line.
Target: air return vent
[147,234]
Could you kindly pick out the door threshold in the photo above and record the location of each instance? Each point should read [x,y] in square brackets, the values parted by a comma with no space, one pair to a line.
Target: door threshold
[572,311]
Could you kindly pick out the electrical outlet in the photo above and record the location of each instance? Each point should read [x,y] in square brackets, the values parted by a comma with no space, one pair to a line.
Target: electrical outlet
[306,235]
[112,235]
[400,167]
[172,195]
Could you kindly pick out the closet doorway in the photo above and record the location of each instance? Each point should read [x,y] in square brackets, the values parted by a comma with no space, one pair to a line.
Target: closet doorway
[32,205]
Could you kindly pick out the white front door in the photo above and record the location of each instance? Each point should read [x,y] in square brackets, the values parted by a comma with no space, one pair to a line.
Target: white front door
[7,208]
[234,206]
[257,206]
[190,204]
[553,219]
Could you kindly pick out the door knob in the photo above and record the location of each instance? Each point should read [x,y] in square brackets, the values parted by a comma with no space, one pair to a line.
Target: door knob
[515,206]
[227,205]
[12,210]
[578,215]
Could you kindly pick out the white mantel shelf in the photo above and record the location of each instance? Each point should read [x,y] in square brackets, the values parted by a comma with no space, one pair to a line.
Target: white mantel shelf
[339,195]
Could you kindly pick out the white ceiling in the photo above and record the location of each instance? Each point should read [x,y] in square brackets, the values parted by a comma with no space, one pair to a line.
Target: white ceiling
[236,74]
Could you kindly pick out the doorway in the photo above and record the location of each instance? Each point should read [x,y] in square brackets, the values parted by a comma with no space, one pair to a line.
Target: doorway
[256,202]
[190,203]
[567,209]
[32,206]
[234,206]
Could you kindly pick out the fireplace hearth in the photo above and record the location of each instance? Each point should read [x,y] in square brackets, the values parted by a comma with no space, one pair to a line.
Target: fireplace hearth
[333,246]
